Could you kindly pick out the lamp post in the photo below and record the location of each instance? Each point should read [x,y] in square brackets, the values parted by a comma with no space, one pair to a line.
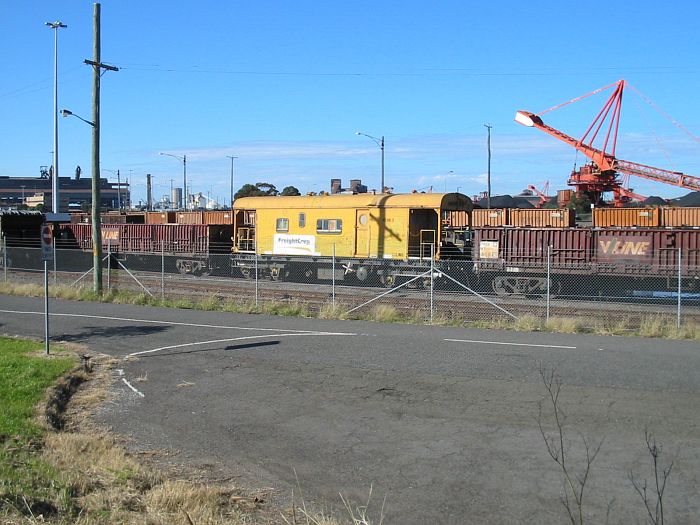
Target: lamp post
[119,186]
[488,169]
[54,180]
[184,175]
[95,197]
[380,143]
[232,172]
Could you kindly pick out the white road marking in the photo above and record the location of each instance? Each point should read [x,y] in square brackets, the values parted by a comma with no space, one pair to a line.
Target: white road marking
[176,323]
[277,332]
[120,373]
[222,341]
[509,344]
[132,387]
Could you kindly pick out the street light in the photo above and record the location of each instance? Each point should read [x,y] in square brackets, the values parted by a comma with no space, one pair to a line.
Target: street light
[95,184]
[184,175]
[231,157]
[68,113]
[54,181]
[380,143]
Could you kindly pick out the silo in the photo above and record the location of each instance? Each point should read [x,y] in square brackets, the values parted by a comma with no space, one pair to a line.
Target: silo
[176,197]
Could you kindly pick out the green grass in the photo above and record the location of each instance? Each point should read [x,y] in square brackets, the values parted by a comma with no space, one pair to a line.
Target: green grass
[23,381]
[26,482]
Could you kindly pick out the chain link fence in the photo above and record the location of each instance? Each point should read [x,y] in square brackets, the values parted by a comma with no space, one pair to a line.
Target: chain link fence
[424,290]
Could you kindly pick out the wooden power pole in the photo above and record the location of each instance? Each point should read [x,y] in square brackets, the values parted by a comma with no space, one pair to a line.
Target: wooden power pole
[97,67]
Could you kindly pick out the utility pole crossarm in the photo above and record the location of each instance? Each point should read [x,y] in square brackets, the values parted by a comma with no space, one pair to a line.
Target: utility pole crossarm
[101,65]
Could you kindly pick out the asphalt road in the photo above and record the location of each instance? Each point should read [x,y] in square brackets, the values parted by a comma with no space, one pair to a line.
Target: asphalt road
[440,422]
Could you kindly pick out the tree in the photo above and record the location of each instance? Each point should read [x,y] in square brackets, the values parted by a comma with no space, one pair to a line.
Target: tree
[259,189]
[291,191]
[580,202]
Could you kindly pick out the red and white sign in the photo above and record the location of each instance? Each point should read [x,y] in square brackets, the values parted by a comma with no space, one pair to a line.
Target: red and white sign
[46,243]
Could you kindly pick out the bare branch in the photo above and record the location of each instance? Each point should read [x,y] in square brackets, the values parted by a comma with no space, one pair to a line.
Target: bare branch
[656,516]
[556,448]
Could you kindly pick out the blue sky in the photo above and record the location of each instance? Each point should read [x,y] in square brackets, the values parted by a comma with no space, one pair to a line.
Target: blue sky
[285,85]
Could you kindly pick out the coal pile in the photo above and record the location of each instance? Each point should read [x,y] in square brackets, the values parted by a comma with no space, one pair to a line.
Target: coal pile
[506,201]
[654,201]
[692,199]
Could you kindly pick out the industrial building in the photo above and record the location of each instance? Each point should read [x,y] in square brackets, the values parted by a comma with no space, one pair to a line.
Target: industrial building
[75,193]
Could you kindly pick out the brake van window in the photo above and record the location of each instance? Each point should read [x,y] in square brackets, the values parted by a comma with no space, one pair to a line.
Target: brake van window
[329,225]
[282,225]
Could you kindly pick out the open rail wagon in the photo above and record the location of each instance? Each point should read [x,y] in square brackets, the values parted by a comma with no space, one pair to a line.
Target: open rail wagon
[196,249]
[516,261]
[373,238]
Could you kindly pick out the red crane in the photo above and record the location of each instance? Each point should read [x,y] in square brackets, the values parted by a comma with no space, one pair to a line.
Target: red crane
[626,193]
[544,198]
[600,175]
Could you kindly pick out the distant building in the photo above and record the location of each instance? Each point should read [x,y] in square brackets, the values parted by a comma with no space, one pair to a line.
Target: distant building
[74,193]
[356,186]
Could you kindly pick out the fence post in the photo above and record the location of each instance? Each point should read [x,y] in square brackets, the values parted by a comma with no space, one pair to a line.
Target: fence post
[4,256]
[333,273]
[256,280]
[162,269]
[549,272]
[680,272]
[432,279]
[109,265]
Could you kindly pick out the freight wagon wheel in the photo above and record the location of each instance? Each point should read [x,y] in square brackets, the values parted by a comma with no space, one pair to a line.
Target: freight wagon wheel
[503,286]
[184,266]
[277,274]
[362,273]
[387,280]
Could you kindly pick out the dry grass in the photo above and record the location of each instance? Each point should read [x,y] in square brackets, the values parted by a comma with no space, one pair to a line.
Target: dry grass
[528,323]
[333,311]
[566,325]
[384,313]
[613,325]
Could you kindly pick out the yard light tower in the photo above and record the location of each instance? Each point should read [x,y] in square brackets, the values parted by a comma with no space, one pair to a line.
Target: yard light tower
[379,142]
[54,179]
[184,175]
[232,174]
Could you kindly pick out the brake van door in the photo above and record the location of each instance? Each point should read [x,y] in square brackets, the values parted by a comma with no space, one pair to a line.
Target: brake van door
[362,233]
